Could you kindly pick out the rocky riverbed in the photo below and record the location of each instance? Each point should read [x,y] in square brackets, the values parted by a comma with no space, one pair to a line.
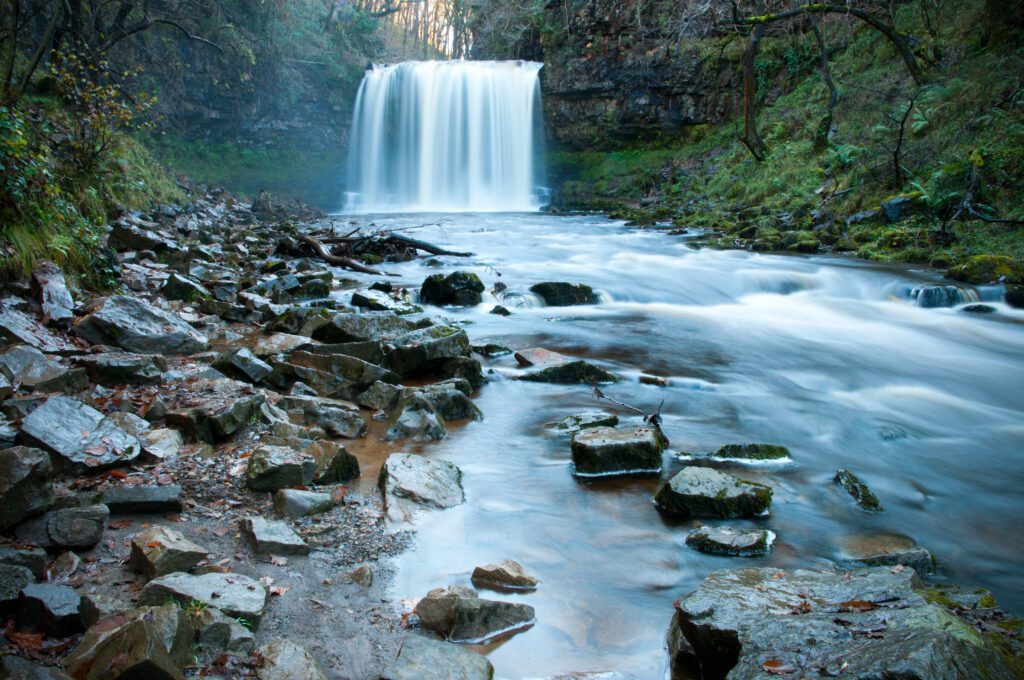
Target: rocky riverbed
[210,471]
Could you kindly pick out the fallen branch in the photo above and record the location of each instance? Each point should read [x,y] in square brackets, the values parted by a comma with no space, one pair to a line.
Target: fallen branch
[652,419]
[346,262]
[392,239]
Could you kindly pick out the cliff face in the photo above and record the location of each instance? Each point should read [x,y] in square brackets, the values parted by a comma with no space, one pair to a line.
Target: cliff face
[617,74]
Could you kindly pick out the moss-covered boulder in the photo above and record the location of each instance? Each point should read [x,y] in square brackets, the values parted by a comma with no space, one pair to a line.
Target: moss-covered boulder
[571,373]
[459,289]
[752,452]
[704,492]
[561,294]
[730,541]
[988,269]
[858,490]
[606,451]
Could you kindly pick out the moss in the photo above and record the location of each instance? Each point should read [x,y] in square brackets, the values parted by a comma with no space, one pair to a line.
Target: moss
[988,269]
[753,451]
[858,490]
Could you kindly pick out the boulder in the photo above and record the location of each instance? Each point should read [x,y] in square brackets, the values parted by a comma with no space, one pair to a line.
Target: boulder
[561,294]
[123,368]
[606,451]
[25,488]
[450,403]
[13,579]
[137,326]
[585,421]
[178,287]
[218,632]
[415,419]
[135,649]
[360,373]
[337,417]
[81,438]
[50,608]
[376,326]
[730,541]
[295,503]
[170,622]
[459,289]
[70,528]
[1015,296]
[33,559]
[210,410]
[379,396]
[137,499]
[466,369]
[277,467]
[287,660]
[571,373]
[96,606]
[161,444]
[378,301]
[18,327]
[234,594]
[34,371]
[273,537]
[507,575]
[334,464]
[870,623]
[858,490]
[242,364]
[752,452]
[161,550]
[424,659]
[408,481]
[424,350]
[436,611]
[704,492]
[16,668]
[476,620]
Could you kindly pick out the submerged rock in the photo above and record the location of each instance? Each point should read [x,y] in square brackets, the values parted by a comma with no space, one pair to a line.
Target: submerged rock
[730,541]
[858,490]
[572,373]
[507,575]
[753,452]
[561,294]
[424,659]
[870,623]
[459,289]
[409,480]
[605,451]
[704,492]
[134,325]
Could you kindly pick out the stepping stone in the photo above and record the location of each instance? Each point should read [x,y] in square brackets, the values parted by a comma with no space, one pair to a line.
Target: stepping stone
[234,594]
[424,659]
[138,499]
[507,576]
[729,541]
[160,550]
[705,492]
[606,451]
[273,537]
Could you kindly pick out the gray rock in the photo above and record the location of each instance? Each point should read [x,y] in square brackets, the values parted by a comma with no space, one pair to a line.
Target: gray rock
[137,326]
[135,499]
[337,417]
[704,492]
[161,444]
[295,503]
[36,372]
[8,432]
[561,294]
[134,650]
[378,301]
[421,351]
[730,541]
[375,326]
[917,558]
[286,660]
[451,404]
[896,209]
[416,420]
[276,467]
[218,632]
[572,373]
[869,623]
[423,659]
[379,396]
[16,668]
[82,438]
[334,464]
[436,611]
[241,363]
[140,236]
[606,451]
[584,421]
[234,594]
[506,576]
[13,579]
[210,410]
[25,488]
[159,551]
[225,309]
[33,559]
[97,606]
[50,608]
[273,537]
[858,490]
[63,567]
[408,481]
[476,621]
[129,422]
[170,622]
[752,452]
[17,326]
[123,368]
[358,372]
[178,287]
[459,289]
[71,528]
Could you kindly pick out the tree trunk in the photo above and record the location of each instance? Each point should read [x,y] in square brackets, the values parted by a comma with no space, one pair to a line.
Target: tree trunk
[751,137]
[824,134]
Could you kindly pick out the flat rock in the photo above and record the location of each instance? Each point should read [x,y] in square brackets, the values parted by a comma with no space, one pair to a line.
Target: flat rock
[287,660]
[476,620]
[273,537]
[730,541]
[295,503]
[234,594]
[70,528]
[277,467]
[137,326]
[337,417]
[705,492]
[869,623]
[16,668]
[752,452]
[17,326]
[25,488]
[585,421]
[34,371]
[562,294]
[50,608]
[572,373]
[123,368]
[606,451]
[81,438]
[161,550]
[408,481]
[423,350]
[135,499]
[506,576]
[858,490]
[424,659]
[242,364]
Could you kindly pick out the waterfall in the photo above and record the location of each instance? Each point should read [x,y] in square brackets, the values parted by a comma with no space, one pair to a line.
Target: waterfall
[447,136]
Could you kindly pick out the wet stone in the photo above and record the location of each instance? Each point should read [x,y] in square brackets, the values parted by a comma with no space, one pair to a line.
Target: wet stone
[36,372]
[218,632]
[234,594]
[506,576]
[584,421]
[287,660]
[451,404]
[135,649]
[705,492]
[858,490]
[423,350]
[178,287]
[17,326]
[135,499]
[408,481]
[380,396]
[360,373]
[81,437]
[334,464]
[16,668]
[606,451]
[13,579]
[71,528]
[242,364]
[917,558]
[25,488]
[161,444]
[295,503]
[33,559]
[160,550]
[731,541]
[96,606]
[382,302]
[276,467]
[436,611]
[753,452]
[362,575]
[134,325]
[337,417]
[572,373]
[50,608]
[424,659]
[273,537]
[123,368]
[458,289]
[561,294]
[477,620]
[415,420]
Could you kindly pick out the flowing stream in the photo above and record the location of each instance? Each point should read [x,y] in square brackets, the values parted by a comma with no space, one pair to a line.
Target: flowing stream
[828,356]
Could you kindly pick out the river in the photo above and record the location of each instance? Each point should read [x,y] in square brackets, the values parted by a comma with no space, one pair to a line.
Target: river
[826,355]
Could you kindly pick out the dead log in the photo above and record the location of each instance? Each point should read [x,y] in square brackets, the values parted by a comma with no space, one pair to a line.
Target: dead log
[346,262]
[393,239]
[426,247]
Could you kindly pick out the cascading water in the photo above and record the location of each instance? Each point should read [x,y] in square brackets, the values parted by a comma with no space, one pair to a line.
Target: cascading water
[447,136]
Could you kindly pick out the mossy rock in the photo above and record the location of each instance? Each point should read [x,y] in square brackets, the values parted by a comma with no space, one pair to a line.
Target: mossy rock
[705,492]
[728,541]
[988,269]
[572,373]
[858,490]
[752,452]
[460,289]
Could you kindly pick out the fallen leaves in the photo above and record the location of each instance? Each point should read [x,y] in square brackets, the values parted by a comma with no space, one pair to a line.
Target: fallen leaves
[278,591]
[778,667]
[858,606]
[120,524]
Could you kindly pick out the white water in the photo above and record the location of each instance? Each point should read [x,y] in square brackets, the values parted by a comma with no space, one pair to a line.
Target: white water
[446,136]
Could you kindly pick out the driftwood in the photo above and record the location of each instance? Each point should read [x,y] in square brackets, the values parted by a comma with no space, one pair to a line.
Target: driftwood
[336,260]
[385,244]
[652,419]
[393,239]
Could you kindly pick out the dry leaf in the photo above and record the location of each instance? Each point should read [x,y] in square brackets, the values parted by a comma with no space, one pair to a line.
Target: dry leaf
[120,524]
[857,606]
[778,667]
[278,591]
